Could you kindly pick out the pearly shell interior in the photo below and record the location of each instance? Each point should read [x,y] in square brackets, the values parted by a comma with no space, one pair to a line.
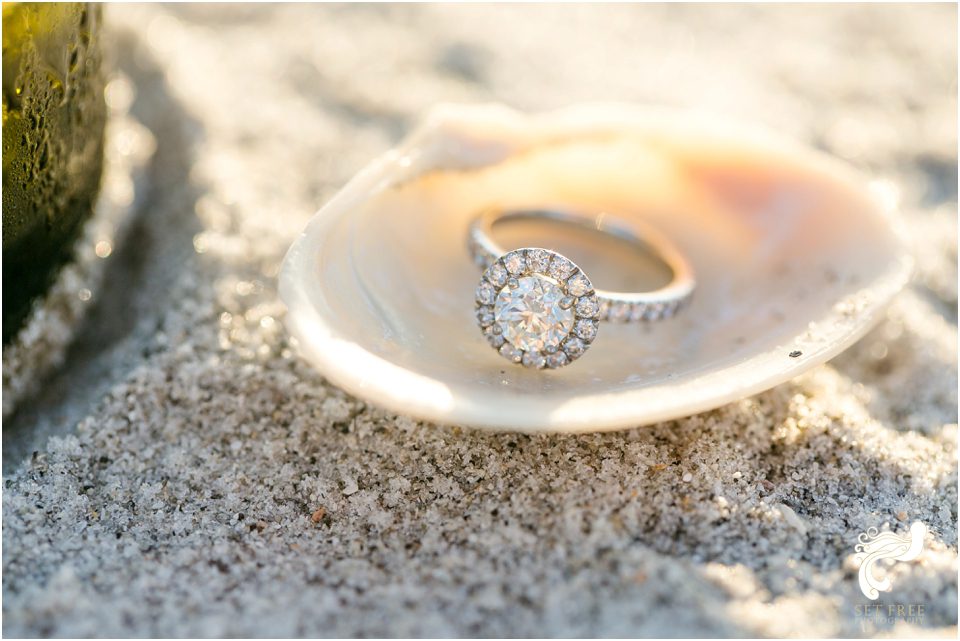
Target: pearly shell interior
[795,259]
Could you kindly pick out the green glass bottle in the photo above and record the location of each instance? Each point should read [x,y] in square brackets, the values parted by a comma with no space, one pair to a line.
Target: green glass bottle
[53,122]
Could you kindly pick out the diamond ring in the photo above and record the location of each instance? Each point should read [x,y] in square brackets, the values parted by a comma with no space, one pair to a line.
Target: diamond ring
[539,309]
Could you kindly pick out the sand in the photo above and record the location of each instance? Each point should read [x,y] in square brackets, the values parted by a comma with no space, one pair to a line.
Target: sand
[185,474]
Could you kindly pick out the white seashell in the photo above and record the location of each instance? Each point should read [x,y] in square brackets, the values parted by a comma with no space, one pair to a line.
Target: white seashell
[795,257]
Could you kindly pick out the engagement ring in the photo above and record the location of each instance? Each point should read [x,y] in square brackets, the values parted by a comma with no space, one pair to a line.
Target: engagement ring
[538,308]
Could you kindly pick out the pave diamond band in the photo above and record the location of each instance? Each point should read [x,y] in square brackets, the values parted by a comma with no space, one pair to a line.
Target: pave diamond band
[537,308]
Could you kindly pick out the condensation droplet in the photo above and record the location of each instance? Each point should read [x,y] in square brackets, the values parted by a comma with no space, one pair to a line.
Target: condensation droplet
[200,243]
[119,94]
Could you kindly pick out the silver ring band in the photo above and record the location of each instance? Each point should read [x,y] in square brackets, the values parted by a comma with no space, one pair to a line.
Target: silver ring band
[619,307]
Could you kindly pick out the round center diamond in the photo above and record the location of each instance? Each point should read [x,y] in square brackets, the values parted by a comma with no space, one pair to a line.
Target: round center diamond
[530,314]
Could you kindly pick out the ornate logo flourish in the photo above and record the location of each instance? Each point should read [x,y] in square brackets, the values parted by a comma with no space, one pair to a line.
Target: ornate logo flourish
[874,546]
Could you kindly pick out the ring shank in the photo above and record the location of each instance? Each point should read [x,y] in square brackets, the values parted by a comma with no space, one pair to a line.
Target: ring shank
[614,306]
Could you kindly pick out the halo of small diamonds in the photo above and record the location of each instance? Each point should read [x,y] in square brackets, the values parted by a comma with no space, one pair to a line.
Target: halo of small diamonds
[537,308]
